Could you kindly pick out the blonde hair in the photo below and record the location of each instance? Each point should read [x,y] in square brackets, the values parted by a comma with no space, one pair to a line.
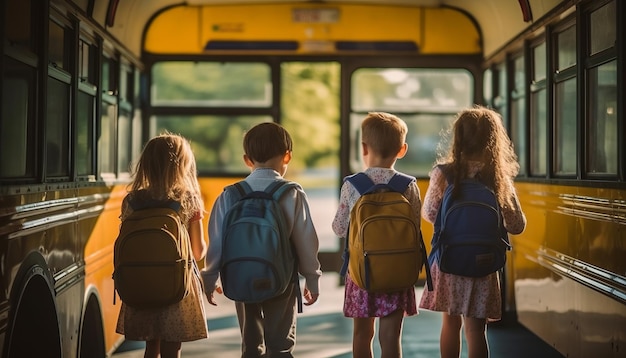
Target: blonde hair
[166,170]
[479,135]
[384,133]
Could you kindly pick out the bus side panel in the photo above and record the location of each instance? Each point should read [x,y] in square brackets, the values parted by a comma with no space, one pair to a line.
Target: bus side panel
[569,268]
[99,233]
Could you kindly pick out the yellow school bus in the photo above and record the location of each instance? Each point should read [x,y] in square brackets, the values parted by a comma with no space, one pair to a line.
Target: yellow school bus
[86,82]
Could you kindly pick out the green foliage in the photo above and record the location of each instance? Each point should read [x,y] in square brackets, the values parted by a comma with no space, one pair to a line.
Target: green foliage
[310,112]
[310,109]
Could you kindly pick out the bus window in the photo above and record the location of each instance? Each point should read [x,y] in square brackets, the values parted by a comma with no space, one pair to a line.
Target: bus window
[310,112]
[500,100]
[216,140]
[538,112]
[488,87]
[57,128]
[124,128]
[211,84]
[411,90]
[602,135]
[17,136]
[18,24]
[602,147]
[518,111]
[85,112]
[565,103]
[426,99]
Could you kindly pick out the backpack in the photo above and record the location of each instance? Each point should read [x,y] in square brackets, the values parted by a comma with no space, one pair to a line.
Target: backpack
[258,259]
[470,239]
[384,248]
[153,261]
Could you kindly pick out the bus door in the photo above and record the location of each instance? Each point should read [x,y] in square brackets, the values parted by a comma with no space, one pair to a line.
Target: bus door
[310,111]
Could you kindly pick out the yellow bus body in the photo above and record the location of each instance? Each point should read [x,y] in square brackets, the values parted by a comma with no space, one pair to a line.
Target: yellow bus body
[433,31]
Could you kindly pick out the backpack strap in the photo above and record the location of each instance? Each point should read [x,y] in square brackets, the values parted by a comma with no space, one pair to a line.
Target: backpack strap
[400,182]
[279,187]
[276,190]
[361,182]
[136,204]
[426,263]
[243,189]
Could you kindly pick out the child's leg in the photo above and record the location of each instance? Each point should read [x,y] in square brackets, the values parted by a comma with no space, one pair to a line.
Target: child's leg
[170,349]
[279,324]
[450,340]
[152,349]
[389,334]
[476,337]
[362,336]
[250,320]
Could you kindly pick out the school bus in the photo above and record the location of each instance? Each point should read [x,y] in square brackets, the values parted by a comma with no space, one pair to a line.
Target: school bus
[85,83]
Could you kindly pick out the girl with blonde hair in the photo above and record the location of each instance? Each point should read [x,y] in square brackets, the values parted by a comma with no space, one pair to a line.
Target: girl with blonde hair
[166,171]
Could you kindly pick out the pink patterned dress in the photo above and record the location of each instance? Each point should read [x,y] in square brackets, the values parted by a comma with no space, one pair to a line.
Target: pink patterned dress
[458,295]
[358,303]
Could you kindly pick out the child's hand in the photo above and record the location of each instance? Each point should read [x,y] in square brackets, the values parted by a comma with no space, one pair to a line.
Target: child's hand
[210,297]
[309,297]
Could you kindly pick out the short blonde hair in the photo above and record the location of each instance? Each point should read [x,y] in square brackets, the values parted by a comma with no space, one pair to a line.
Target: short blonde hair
[384,133]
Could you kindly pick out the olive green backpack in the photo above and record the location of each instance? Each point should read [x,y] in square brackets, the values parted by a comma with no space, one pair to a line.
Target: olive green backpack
[152,257]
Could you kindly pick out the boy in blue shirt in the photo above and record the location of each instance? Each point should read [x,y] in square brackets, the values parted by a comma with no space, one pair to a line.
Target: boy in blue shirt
[268,328]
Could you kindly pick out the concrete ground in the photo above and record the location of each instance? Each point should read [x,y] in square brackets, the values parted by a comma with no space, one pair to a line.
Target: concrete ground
[323,332]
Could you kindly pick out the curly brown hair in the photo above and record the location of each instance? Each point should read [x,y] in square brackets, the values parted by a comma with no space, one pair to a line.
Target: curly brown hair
[479,135]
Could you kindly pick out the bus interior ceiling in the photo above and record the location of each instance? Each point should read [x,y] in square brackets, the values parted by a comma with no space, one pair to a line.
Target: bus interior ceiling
[498,20]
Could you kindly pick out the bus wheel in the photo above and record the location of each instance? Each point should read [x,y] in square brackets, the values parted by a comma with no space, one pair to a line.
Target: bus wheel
[34,329]
[92,333]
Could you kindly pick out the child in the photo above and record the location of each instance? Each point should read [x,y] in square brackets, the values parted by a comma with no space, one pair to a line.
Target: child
[480,148]
[268,329]
[383,142]
[167,171]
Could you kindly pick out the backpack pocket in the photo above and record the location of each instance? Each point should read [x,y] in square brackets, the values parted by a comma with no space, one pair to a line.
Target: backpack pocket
[154,284]
[380,271]
[256,264]
[472,256]
[250,280]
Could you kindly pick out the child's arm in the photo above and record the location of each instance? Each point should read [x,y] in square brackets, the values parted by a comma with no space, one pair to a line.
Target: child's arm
[213,261]
[342,216]
[306,243]
[196,236]
[434,195]
[514,218]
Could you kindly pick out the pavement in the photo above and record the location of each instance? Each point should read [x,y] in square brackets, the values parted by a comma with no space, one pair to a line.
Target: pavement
[323,332]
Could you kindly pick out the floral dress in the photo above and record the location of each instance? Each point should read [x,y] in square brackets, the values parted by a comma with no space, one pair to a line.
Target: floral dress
[459,295]
[358,303]
[180,322]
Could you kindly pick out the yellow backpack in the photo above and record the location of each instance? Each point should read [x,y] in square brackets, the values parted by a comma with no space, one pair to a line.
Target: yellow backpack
[384,248]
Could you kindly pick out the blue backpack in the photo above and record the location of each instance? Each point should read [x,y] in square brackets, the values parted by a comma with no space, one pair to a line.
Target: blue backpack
[470,239]
[258,259]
